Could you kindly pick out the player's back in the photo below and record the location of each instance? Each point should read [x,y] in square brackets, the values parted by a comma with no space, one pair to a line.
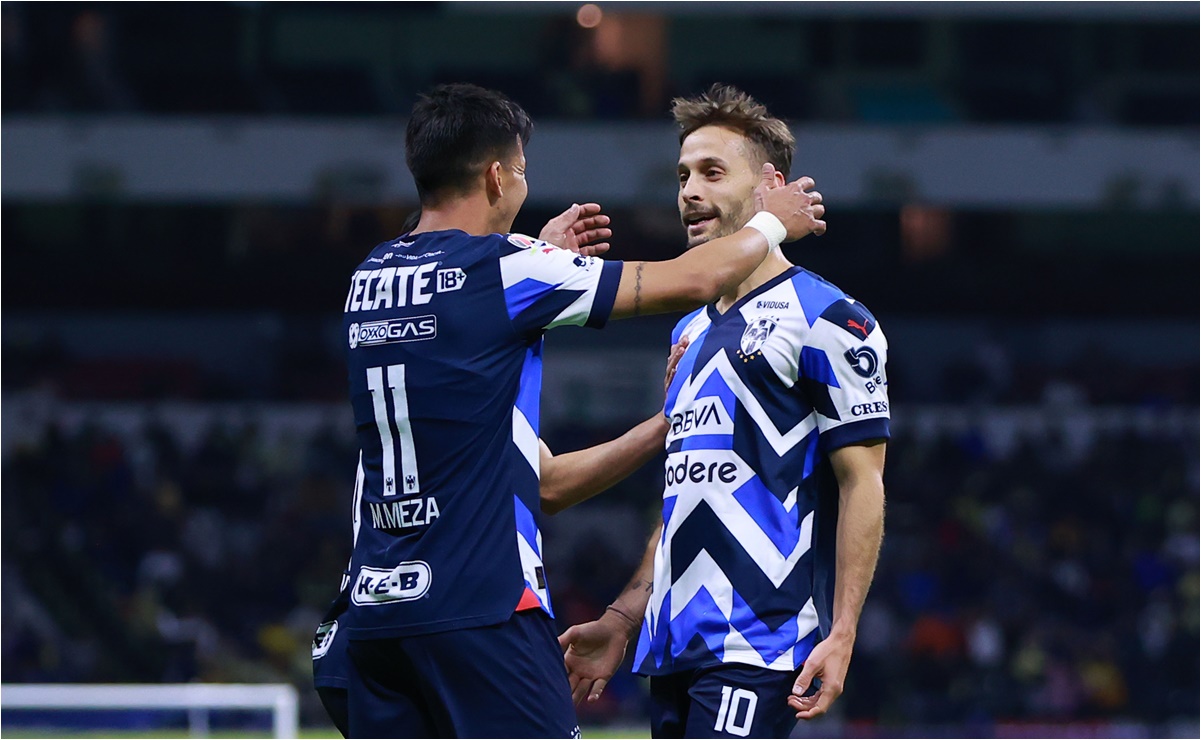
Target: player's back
[445,335]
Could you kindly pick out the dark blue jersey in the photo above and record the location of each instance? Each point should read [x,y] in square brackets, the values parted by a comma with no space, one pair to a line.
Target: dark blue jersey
[445,357]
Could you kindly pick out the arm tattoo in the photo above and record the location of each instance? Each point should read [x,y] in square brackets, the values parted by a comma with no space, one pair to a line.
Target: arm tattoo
[638,290]
[641,585]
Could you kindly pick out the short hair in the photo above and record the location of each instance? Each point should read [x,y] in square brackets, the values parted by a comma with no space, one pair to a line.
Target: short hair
[731,108]
[456,129]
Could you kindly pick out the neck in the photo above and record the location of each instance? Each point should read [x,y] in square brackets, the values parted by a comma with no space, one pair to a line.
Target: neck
[472,214]
[772,265]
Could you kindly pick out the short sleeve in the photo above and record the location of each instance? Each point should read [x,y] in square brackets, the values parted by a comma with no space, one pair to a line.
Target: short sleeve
[842,369]
[546,286]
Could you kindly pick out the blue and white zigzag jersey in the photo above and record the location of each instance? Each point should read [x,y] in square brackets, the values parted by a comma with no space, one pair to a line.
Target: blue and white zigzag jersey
[445,357]
[744,571]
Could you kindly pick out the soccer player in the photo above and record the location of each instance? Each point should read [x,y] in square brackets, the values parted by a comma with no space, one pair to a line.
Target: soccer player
[566,480]
[449,617]
[773,506]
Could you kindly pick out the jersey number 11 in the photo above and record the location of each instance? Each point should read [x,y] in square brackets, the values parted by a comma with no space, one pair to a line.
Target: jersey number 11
[393,377]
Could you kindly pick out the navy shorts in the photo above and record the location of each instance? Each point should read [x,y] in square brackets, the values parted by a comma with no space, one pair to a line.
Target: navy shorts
[503,680]
[723,701]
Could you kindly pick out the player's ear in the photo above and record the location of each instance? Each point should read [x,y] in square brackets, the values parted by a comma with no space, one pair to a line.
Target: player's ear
[780,178]
[492,182]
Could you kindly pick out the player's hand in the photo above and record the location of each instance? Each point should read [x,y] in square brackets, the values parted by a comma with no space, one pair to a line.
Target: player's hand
[673,359]
[829,662]
[592,653]
[796,204]
[577,228]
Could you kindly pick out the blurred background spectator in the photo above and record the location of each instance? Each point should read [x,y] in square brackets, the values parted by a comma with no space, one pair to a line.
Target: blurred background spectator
[1012,190]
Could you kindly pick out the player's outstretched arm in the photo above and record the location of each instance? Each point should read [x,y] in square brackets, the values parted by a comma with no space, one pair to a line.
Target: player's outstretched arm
[593,651]
[860,473]
[572,477]
[708,271]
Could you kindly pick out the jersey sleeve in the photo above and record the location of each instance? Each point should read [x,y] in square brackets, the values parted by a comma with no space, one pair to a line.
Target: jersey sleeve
[546,286]
[842,369]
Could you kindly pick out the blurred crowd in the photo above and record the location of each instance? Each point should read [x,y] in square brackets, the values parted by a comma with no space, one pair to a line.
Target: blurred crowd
[278,59]
[134,559]
[1051,582]
[1054,583]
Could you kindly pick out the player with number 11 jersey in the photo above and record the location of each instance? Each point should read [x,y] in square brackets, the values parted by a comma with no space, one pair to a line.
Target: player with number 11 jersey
[445,359]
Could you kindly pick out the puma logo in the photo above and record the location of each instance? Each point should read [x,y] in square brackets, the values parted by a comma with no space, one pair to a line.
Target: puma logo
[861,327]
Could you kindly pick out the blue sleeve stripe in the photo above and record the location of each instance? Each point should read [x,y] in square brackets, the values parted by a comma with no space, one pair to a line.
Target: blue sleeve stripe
[815,365]
[852,433]
[522,295]
[606,295]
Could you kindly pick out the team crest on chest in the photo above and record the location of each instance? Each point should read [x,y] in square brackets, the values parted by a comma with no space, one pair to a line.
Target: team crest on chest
[754,336]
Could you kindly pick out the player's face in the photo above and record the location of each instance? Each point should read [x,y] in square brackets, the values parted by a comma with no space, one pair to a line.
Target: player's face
[718,174]
[512,180]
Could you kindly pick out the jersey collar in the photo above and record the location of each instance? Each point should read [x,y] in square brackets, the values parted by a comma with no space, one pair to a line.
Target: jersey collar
[716,316]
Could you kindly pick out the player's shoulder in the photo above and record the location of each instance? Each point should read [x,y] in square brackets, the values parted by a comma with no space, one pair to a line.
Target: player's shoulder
[814,291]
[427,246]
[522,255]
[824,302]
[509,244]
[383,251]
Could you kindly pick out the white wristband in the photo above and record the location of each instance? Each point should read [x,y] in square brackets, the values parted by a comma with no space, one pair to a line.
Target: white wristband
[769,226]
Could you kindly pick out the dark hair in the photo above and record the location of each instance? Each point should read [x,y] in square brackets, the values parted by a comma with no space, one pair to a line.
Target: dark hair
[731,108]
[455,130]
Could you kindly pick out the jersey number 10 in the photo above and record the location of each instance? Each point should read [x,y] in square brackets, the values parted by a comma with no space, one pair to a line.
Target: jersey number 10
[727,715]
[393,377]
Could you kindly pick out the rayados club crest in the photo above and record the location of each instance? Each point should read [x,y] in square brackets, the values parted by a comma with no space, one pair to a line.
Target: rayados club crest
[755,335]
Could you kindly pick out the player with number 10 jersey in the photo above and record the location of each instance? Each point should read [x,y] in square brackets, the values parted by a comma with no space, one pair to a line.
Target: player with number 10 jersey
[773,500]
